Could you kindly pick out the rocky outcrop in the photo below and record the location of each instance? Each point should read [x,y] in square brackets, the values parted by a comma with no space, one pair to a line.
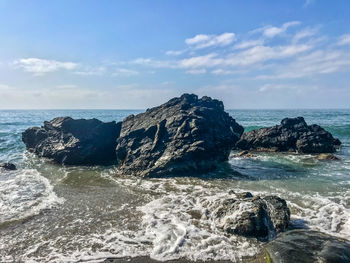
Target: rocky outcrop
[253,216]
[306,246]
[75,142]
[8,166]
[184,136]
[293,134]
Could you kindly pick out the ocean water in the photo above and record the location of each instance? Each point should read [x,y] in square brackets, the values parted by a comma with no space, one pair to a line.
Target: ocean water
[53,213]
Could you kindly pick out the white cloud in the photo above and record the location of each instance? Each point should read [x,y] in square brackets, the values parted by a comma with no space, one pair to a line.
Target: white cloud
[174,52]
[125,72]
[196,71]
[91,71]
[203,41]
[154,63]
[244,58]
[264,53]
[223,72]
[271,31]
[249,43]
[318,62]
[305,33]
[344,40]
[42,66]
[209,60]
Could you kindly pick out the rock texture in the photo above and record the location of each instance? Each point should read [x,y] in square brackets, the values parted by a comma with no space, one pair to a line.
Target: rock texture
[8,166]
[327,157]
[293,134]
[249,216]
[305,246]
[184,136]
[74,142]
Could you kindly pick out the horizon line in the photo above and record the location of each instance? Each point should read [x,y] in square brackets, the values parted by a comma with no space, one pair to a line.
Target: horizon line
[140,109]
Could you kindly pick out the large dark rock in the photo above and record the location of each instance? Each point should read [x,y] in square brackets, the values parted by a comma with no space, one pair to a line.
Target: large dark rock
[184,136]
[8,166]
[306,246]
[260,217]
[293,134]
[75,142]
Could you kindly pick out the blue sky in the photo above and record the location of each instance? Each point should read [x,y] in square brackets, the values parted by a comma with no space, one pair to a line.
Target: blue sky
[138,54]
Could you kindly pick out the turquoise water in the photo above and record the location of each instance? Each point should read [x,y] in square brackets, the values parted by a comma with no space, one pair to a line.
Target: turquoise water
[52,213]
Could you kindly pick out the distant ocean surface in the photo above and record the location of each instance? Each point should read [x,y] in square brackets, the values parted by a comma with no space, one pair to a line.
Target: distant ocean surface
[52,213]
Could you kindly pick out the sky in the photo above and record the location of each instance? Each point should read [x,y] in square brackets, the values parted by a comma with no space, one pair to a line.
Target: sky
[138,54]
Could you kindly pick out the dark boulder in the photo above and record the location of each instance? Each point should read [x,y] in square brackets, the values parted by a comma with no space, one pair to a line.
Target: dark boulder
[259,217]
[184,136]
[306,246]
[293,134]
[74,142]
[8,166]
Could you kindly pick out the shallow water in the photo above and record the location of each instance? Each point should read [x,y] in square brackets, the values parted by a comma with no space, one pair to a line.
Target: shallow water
[51,213]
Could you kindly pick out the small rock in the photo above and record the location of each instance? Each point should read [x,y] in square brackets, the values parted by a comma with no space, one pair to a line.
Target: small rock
[242,153]
[257,217]
[244,195]
[8,166]
[292,135]
[327,156]
[304,246]
[245,154]
[74,142]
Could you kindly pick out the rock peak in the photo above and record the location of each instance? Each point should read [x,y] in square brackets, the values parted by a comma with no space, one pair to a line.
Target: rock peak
[290,122]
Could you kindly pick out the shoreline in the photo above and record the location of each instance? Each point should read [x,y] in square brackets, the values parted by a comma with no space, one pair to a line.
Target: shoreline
[258,258]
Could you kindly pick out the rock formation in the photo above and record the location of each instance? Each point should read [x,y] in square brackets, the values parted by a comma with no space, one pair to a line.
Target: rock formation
[249,216]
[76,142]
[8,166]
[184,136]
[293,134]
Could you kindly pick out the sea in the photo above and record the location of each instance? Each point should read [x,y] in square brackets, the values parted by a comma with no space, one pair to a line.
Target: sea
[55,213]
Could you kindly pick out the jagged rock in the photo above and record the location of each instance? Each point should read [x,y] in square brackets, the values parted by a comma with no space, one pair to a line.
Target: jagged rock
[251,216]
[327,156]
[293,134]
[306,246]
[8,166]
[184,136]
[74,142]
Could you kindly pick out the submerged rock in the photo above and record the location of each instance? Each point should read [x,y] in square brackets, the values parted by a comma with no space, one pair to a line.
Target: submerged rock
[306,246]
[327,156]
[8,166]
[74,142]
[184,136]
[293,134]
[259,217]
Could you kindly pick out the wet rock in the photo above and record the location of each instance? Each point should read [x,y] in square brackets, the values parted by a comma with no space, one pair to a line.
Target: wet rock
[241,195]
[74,142]
[242,153]
[259,217]
[304,246]
[327,156]
[184,136]
[245,154]
[293,134]
[8,166]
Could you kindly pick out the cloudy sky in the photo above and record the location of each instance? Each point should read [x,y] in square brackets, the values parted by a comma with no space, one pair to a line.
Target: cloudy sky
[137,54]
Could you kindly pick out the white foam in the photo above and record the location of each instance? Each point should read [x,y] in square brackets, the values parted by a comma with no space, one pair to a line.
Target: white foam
[25,193]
